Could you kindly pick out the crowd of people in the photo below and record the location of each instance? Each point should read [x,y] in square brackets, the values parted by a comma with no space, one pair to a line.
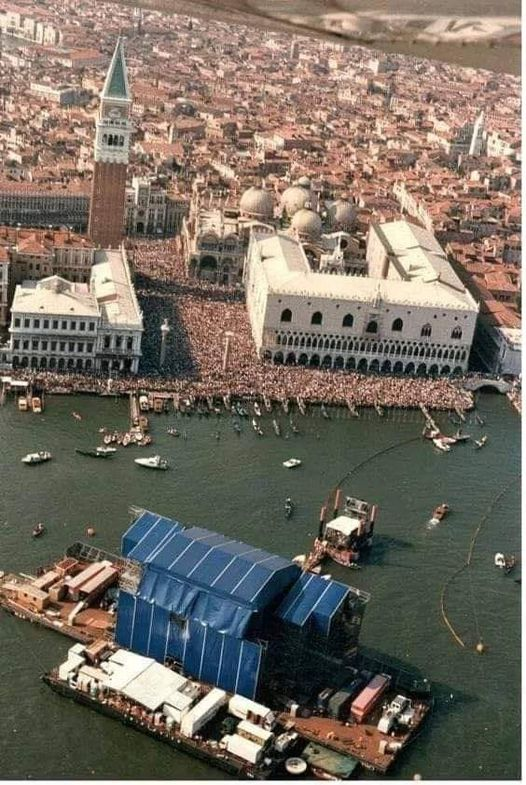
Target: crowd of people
[200,315]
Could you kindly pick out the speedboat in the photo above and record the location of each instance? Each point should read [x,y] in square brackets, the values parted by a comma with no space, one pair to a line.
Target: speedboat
[33,458]
[154,462]
[480,443]
[440,512]
[441,445]
[38,530]
[292,463]
[506,563]
[94,453]
[289,507]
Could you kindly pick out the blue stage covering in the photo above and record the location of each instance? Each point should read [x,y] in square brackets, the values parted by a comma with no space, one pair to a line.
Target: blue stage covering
[312,600]
[201,592]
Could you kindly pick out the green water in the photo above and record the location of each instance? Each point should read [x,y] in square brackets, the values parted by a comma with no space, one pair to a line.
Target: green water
[237,486]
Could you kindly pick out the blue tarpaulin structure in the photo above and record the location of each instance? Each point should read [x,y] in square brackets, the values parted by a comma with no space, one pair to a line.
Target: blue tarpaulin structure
[313,600]
[197,599]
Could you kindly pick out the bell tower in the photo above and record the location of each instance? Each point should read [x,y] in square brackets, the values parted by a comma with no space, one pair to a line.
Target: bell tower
[112,146]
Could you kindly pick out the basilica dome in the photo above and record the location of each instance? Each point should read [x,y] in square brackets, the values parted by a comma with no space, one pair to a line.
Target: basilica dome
[342,215]
[307,223]
[293,199]
[257,203]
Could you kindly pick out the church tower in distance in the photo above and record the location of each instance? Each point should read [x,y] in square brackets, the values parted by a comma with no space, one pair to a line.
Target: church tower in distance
[112,146]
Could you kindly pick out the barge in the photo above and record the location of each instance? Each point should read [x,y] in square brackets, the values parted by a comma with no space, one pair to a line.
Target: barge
[74,595]
[345,535]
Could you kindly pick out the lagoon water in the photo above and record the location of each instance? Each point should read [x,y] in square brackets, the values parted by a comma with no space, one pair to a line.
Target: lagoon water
[237,486]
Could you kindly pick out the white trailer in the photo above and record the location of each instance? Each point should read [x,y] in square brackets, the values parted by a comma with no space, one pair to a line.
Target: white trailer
[203,712]
[244,748]
[246,709]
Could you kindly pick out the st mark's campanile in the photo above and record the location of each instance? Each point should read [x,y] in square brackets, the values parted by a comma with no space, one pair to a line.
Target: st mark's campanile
[112,146]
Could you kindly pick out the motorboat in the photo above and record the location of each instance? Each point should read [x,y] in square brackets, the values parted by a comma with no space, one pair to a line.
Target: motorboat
[36,404]
[38,530]
[301,406]
[289,507]
[33,458]
[106,450]
[277,429]
[22,404]
[504,562]
[440,512]
[257,409]
[153,462]
[76,416]
[94,453]
[172,432]
[481,442]
[257,427]
[292,463]
[108,438]
[447,439]
[441,445]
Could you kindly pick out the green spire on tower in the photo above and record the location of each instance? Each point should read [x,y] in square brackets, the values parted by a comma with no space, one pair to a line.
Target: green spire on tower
[116,84]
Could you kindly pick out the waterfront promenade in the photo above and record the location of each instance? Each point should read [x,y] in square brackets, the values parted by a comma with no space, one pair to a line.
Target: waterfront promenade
[200,314]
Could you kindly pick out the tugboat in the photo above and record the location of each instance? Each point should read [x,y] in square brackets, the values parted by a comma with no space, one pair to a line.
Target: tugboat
[440,512]
[343,536]
[39,530]
[480,443]
[154,462]
[289,507]
[32,458]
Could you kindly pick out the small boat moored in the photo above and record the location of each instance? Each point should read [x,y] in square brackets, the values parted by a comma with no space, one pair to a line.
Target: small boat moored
[441,445]
[172,432]
[292,463]
[289,507]
[33,458]
[153,462]
[97,453]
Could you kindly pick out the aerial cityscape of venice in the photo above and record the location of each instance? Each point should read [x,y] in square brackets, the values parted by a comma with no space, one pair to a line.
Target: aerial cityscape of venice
[260,391]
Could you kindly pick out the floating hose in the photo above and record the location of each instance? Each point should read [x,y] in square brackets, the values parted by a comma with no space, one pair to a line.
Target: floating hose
[467,564]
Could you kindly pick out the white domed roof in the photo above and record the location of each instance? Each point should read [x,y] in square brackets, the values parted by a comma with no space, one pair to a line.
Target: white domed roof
[257,203]
[307,222]
[342,214]
[293,199]
[304,182]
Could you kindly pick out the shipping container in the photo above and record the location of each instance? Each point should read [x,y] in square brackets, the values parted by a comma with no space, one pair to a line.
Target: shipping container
[243,748]
[338,707]
[369,697]
[246,709]
[254,733]
[203,711]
